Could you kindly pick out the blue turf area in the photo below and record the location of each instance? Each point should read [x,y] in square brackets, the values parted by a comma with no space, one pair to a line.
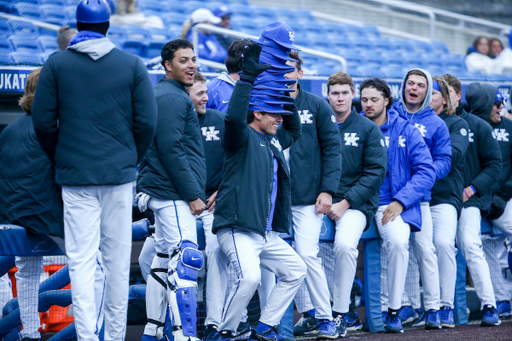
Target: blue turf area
[366,51]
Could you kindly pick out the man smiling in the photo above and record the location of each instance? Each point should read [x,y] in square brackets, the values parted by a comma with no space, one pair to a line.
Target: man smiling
[171,182]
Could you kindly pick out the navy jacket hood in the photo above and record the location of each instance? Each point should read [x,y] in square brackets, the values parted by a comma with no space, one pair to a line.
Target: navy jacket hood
[480,97]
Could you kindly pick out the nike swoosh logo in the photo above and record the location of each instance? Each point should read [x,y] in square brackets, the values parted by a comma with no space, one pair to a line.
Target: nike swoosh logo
[195,258]
[225,101]
[261,144]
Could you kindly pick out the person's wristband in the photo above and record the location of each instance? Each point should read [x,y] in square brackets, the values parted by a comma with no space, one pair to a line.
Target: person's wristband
[467,194]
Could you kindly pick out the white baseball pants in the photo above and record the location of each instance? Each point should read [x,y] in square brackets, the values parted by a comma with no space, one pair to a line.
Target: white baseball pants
[395,240]
[95,215]
[173,223]
[5,291]
[307,225]
[444,220]
[246,251]
[468,241]
[496,255]
[349,229]
[504,223]
[146,257]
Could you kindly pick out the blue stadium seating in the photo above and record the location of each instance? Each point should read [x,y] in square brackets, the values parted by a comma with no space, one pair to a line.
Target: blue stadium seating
[117,32]
[422,47]
[393,72]
[155,46]
[18,26]
[26,58]
[25,43]
[5,29]
[48,43]
[54,14]
[264,13]
[440,48]
[28,10]
[136,45]
[5,58]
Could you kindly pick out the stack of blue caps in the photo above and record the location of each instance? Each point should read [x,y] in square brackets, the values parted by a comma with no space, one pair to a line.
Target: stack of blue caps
[268,91]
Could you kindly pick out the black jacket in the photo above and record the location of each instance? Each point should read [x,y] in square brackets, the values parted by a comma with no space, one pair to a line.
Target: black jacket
[502,133]
[315,159]
[483,158]
[243,201]
[174,168]
[365,160]
[448,190]
[212,128]
[30,197]
[94,119]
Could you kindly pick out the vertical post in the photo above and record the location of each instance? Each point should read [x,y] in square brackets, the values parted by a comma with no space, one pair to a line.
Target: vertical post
[371,254]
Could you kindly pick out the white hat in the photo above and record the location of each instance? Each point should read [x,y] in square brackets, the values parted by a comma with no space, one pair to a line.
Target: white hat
[204,15]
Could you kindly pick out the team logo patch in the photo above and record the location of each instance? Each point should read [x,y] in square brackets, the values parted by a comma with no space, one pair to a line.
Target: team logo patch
[305,117]
[401,141]
[501,135]
[210,134]
[463,132]
[382,143]
[276,144]
[291,34]
[333,119]
[351,139]
[421,128]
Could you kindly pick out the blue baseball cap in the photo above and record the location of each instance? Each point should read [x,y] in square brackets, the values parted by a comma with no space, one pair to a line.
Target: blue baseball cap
[276,51]
[272,93]
[499,96]
[221,11]
[272,78]
[276,63]
[279,57]
[269,108]
[279,33]
[272,86]
[271,97]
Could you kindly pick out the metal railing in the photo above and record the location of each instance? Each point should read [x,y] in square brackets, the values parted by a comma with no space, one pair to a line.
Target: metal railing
[433,14]
[215,29]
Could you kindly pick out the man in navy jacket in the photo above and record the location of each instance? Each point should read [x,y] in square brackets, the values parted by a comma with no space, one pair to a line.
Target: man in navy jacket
[172,183]
[94,116]
[409,177]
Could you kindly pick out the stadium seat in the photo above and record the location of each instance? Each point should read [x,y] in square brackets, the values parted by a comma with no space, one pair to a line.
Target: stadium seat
[454,62]
[118,42]
[353,58]
[159,33]
[284,14]
[5,59]
[433,61]
[54,14]
[26,58]
[402,45]
[422,46]
[48,43]
[18,26]
[136,32]
[364,44]
[304,15]
[26,43]
[172,18]
[153,5]
[373,60]
[314,27]
[117,32]
[440,48]
[335,29]
[394,59]
[393,72]
[264,13]
[371,31]
[5,29]
[155,46]
[383,44]
[241,10]
[363,71]
[136,46]
[28,10]
[191,6]
[355,31]
[344,42]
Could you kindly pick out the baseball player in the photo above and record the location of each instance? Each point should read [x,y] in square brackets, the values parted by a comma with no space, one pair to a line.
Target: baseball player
[415,98]
[357,198]
[95,143]
[315,168]
[172,182]
[446,203]
[253,203]
[31,199]
[409,177]
[500,213]
[482,170]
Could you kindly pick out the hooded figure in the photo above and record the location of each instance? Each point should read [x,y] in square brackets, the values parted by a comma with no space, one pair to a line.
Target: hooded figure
[486,103]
